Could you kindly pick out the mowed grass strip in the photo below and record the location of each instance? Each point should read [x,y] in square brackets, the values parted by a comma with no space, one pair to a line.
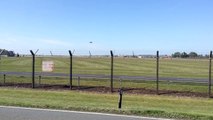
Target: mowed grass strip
[92,82]
[183,68]
[145,105]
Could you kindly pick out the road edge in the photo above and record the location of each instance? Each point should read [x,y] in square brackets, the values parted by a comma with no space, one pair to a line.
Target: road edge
[80,112]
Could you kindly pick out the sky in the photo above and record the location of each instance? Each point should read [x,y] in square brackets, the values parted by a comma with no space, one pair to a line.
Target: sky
[124,26]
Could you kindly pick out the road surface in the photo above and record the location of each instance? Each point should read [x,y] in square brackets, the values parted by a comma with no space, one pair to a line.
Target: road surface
[18,113]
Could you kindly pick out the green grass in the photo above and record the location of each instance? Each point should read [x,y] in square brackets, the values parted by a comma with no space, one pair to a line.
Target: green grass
[185,68]
[145,105]
[184,87]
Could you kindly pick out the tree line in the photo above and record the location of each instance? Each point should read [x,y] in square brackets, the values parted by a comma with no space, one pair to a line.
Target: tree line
[188,55]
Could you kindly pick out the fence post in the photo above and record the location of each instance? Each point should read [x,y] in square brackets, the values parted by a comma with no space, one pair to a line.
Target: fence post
[120,98]
[210,71]
[4,78]
[0,59]
[157,73]
[33,69]
[70,69]
[120,93]
[111,85]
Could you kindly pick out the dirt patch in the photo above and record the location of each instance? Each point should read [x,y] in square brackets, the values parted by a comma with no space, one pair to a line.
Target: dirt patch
[103,89]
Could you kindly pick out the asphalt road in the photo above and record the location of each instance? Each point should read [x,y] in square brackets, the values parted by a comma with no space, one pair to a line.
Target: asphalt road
[145,78]
[17,113]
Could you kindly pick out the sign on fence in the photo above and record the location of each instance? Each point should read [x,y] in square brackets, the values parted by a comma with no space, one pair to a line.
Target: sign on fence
[47,66]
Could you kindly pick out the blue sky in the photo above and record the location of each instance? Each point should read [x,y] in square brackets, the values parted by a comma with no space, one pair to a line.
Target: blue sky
[143,26]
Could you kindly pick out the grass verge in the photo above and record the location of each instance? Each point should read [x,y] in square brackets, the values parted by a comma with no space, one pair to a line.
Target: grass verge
[143,105]
[184,87]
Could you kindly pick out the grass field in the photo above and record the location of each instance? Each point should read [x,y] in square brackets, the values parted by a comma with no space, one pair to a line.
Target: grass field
[136,104]
[183,68]
[177,68]
[145,105]
[190,88]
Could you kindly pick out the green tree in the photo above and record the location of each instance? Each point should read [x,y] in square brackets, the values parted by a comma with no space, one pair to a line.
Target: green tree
[184,55]
[176,54]
[193,54]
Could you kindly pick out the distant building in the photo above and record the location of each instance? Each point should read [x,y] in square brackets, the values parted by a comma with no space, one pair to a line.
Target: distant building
[11,54]
[7,53]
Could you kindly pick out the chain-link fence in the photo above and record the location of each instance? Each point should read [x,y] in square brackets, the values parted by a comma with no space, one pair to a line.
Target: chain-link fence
[139,74]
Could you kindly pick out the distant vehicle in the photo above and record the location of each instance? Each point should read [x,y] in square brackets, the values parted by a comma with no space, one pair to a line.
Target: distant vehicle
[90,42]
